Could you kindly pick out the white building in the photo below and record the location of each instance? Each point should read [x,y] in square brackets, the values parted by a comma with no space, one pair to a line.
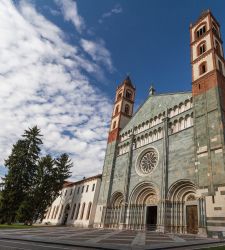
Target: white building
[76,204]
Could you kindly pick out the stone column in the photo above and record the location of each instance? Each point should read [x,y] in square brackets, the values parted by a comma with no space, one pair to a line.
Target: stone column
[164,185]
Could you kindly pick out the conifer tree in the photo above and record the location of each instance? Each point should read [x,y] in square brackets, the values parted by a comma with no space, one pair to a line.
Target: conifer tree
[32,182]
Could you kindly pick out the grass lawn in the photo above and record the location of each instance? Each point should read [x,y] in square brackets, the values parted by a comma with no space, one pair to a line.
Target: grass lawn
[14,226]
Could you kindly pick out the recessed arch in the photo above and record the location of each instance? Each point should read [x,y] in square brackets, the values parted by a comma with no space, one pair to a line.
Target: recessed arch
[144,193]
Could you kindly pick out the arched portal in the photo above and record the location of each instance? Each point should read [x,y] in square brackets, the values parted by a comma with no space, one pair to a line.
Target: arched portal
[115,211]
[183,208]
[143,206]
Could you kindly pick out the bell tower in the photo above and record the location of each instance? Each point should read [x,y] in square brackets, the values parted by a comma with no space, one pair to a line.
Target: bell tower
[208,90]
[121,115]
[123,108]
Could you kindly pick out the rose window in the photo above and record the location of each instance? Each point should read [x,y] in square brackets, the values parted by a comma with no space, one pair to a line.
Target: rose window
[147,162]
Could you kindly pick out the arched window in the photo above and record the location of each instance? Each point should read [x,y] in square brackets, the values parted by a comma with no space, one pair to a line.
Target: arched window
[77,211]
[114,124]
[119,96]
[217,47]
[159,133]
[73,212]
[201,48]
[175,126]
[181,121]
[117,110]
[175,110]
[142,140]
[214,29]
[146,138]
[150,137]
[82,211]
[155,135]
[220,66]
[200,31]
[128,94]
[202,68]
[127,109]
[138,142]
[88,211]
[187,121]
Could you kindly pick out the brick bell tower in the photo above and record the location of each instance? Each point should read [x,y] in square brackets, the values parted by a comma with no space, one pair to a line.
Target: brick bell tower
[208,90]
[123,108]
[121,115]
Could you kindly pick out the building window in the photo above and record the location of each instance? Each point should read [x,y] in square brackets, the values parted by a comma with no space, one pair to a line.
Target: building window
[82,189]
[202,68]
[65,193]
[93,187]
[78,190]
[127,109]
[82,211]
[114,124]
[119,96]
[220,66]
[60,212]
[87,188]
[128,95]
[77,211]
[218,48]
[56,212]
[214,29]
[73,212]
[71,191]
[117,110]
[201,48]
[88,211]
[201,31]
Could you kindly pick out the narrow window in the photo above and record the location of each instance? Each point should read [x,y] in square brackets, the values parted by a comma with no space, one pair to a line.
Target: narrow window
[127,109]
[114,124]
[82,211]
[128,94]
[77,211]
[202,48]
[65,192]
[73,212]
[82,189]
[119,96]
[71,191]
[201,31]
[117,109]
[218,48]
[87,188]
[78,190]
[93,187]
[202,68]
[220,66]
[88,211]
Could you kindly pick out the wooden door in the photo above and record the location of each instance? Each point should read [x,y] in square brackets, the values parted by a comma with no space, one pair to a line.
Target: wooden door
[192,219]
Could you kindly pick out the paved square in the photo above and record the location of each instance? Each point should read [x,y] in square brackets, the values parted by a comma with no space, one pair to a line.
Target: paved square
[106,238]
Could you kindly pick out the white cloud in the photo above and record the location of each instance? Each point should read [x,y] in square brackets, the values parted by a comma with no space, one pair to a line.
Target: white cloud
[117,9]
[70,13]
[44,81]
[98,52]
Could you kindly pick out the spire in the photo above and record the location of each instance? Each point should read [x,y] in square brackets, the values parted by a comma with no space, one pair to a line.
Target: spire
[151,91]
[128,81]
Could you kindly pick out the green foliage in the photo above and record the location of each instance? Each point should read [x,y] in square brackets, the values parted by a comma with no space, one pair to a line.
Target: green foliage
[32,182]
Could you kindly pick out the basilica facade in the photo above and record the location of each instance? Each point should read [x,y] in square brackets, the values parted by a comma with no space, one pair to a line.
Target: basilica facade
[164,167]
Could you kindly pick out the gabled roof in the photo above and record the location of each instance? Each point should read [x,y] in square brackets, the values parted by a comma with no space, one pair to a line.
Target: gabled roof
[154,105]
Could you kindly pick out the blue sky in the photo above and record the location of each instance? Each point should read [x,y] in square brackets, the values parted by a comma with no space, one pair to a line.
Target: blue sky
[61,61]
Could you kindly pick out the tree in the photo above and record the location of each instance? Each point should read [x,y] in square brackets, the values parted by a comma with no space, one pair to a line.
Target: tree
[32,182]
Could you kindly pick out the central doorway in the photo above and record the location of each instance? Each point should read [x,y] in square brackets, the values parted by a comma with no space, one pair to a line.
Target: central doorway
[151,218]
[192,219]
